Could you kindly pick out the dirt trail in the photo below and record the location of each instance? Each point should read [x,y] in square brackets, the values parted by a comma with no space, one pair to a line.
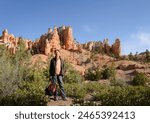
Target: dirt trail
[60,102]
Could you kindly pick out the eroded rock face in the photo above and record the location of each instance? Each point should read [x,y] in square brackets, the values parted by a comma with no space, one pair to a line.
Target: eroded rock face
[107,47]
[104,47]
[127,66]
[56,39]
[92,46]
[11,42]
[68,39]
[47,42]
[116,48]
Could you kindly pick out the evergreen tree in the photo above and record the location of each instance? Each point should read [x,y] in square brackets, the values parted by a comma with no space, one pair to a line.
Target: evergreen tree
[130,56]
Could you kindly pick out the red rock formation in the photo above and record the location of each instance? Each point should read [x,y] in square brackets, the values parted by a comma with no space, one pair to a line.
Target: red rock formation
[47,43]
[55,39]
[68,38]
[107,47]
[11,42]
[80,50]
[104,47]
[116,48]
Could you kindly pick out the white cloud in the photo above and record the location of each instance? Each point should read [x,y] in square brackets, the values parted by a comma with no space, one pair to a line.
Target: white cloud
[144,38]
[87,28]
[137,42]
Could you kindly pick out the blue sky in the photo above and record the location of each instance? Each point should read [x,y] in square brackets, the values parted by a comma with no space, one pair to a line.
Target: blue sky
[91,20]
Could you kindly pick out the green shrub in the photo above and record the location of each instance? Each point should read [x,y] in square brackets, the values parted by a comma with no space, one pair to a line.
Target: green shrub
[124,96]
[71,75]
[11,70]
[130,56]
[29,92]
[108,72]
[140,79]
[94,87]
[118,82]
[93,74]
[75,90]
[21,83]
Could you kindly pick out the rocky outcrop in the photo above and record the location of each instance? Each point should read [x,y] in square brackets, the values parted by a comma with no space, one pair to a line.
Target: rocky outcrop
[92,45]
[116,48]
[127,66]
[107,47]
[47,42]
[52,41]
[58,38]
[66,38]
[11,42]
[104,47]
[55,39]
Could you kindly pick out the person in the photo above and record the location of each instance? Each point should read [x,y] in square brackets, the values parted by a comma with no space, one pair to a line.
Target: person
[56,74]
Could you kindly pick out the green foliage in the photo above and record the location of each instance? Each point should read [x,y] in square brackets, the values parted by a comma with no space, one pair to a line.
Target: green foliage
[75,90]
[106,95]
[94,87]
[21,83]
[140,79]
[79,90]
[72,76]
[109,72]
[31,92]
[124,96]
[11,70]
[117,82]
[131,57]
[2,50]
[93,74]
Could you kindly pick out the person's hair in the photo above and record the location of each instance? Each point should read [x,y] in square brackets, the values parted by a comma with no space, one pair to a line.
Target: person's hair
[57,50]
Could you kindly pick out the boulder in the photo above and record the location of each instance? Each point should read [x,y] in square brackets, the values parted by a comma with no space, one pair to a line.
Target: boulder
[127,66]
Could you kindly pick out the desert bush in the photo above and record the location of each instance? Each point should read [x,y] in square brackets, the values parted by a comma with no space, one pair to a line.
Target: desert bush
[21,83]
[71,75]
[30,91]
[124,96]
[130,56]
[94,87]
[75,90]
[108,72]
[118,82]
[140,79]
[11,70]
[93,74]
[79,90]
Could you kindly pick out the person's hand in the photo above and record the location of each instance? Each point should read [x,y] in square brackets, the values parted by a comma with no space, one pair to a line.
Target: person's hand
[50,78]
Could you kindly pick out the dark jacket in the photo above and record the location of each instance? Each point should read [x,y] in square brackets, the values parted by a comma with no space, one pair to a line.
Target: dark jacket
[53,65]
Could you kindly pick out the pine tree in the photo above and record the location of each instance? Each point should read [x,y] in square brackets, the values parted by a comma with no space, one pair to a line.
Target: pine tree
[130,56]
